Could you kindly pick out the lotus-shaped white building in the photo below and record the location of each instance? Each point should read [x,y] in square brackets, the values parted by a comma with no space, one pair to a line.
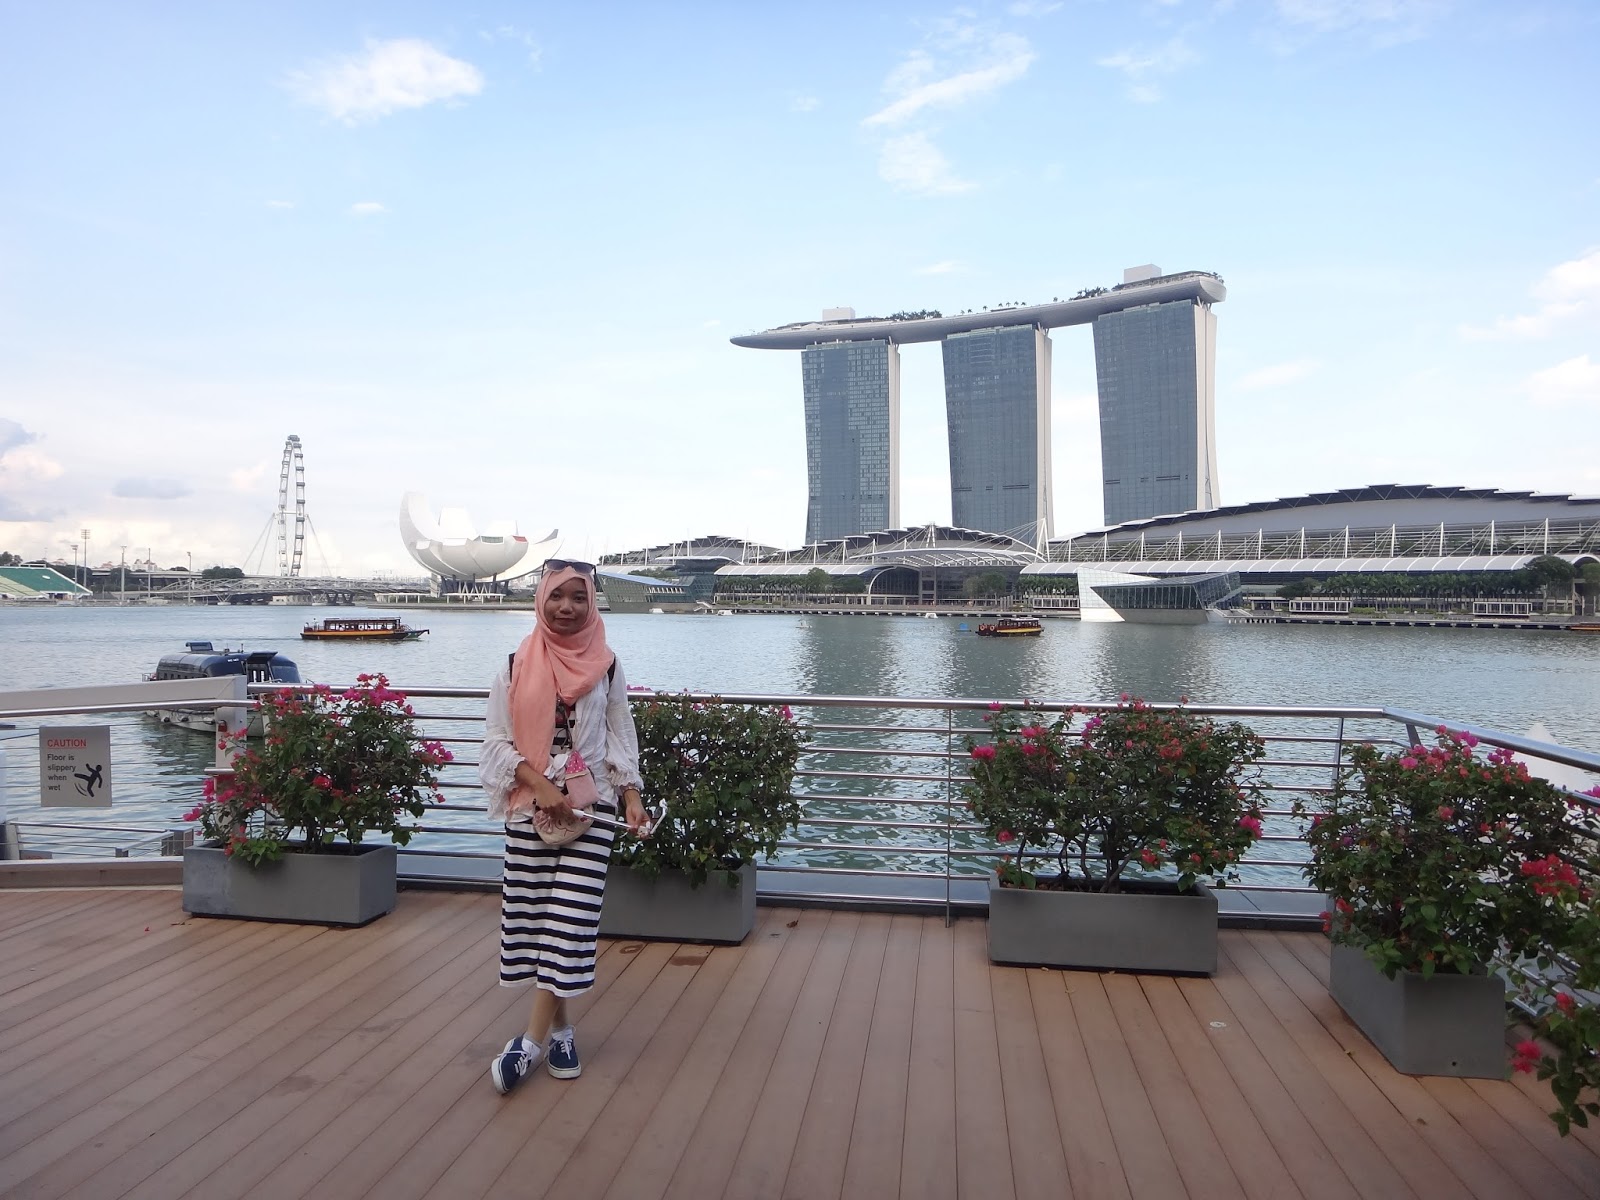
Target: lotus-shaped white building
[450,546]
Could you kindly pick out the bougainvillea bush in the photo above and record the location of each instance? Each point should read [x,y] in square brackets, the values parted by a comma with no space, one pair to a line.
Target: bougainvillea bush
[1422,852]
[725,772]
[333,764]
[1135,788]
[1444,859]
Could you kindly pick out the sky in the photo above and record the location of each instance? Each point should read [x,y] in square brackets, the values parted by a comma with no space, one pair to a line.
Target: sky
[494,252]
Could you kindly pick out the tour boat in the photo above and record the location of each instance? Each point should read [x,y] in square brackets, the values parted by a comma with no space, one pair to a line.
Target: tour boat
[200,660]
[1011,627]
[361,629]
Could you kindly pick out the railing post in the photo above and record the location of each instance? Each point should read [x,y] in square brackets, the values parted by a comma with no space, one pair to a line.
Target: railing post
[230,721]
[949,794]
[1338,752]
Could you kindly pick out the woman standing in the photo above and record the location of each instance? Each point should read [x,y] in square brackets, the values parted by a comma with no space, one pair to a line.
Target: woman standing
[562,690]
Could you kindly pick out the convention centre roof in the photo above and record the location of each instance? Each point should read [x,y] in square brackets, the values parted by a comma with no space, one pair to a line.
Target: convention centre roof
[1381,528]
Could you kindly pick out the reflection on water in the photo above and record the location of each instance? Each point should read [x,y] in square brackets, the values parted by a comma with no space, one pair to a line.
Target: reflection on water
[1503,679]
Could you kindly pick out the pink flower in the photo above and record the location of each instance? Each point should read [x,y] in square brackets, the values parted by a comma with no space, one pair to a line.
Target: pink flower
[1149,857]
[1031,731]
[1253,824]
[1005,835]
[786,713]
[1030,749]
[1528,1056]
[1566,1004]
[194,813]
[1408,763]
[322,781]
[995,706]
[984,752]
[1446,812]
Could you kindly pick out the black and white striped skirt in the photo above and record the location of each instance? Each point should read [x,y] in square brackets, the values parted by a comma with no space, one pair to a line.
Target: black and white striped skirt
[549,907]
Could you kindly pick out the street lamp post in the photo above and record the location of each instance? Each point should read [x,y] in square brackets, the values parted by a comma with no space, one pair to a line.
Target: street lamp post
[122,578]
[190,554]
[88,576]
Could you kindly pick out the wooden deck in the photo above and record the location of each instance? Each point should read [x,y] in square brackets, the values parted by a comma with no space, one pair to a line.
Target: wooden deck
[150,1056]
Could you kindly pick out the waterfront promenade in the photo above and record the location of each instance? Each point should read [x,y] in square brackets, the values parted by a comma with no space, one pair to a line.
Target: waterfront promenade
[150,1056]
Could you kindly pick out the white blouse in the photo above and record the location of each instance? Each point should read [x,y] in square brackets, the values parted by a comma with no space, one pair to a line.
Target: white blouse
[602,727]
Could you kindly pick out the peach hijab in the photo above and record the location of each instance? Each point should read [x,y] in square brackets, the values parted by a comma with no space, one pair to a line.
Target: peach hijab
[548,665]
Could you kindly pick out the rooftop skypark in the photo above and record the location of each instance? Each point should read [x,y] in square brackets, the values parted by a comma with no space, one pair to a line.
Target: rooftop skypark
[1198,286]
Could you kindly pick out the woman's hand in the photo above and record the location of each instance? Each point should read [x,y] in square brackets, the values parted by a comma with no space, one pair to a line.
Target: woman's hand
[633,812]
[546,795]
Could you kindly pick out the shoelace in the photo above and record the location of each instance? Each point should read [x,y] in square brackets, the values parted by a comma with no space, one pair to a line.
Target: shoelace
[564,1040]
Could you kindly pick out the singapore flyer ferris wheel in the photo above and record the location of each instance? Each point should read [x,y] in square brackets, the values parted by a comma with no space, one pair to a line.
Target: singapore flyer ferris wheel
[293,460]
[289,521]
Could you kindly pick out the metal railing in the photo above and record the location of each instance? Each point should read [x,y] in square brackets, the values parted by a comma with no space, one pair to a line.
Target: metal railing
[880,784]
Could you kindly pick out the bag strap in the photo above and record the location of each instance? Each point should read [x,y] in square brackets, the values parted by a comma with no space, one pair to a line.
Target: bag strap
[511,667]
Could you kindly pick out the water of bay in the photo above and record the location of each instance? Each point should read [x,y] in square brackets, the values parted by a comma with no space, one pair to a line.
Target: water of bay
[1503,679]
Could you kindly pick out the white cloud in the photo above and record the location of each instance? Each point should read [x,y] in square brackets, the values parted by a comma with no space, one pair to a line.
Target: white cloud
[939,268]
[27,464]
[1032,8]
[367,208]
[804,104]
[1143,67]
[149,489]
[1384,22]
[510,33]
[1277,375]
[993,61]
[1568,290]
[912,163]
[387,77]
[280,203]
[1576,381]
[12,435]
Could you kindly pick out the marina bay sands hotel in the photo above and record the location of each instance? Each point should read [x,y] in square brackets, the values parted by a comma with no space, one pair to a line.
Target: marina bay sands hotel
[1155,346]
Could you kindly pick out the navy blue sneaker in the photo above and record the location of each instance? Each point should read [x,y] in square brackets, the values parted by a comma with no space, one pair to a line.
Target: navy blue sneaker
[514,1064]
[561,1056]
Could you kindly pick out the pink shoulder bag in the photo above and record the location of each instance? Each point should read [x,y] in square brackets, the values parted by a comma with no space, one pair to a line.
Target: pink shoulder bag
[573,777]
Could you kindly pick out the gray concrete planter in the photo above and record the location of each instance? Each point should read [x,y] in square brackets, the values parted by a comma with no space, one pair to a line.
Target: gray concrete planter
[352,887]
[1156,929]
[1443,1025]
[667,909]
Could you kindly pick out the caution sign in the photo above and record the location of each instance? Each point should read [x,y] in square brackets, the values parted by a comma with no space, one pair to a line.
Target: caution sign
[75,766]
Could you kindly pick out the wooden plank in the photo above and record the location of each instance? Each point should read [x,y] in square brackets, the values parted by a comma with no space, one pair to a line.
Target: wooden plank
[877,1138]
[928,1158]
[1179,1109]
[816,1167]
[126,952]
[503,1125]
[982,1149]
[582,1110]
[408,1009]
[651,1158]
[1314,1014]
[1028,1075]
[1301,1072]
[1312,950]
[430,1126]
[368,1128]
[108,1057]
[594,1162]
[24,912]
[708,1158]
[1147,1159]
[197,1078]
[35,955]
[1538,1093]
[1261,1173]
[1315,1169]
[762,1164]
[129,1005]
[1501,1140]
[1569,1155]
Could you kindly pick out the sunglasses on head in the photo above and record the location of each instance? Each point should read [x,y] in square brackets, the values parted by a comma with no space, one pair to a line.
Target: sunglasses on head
[557,564]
